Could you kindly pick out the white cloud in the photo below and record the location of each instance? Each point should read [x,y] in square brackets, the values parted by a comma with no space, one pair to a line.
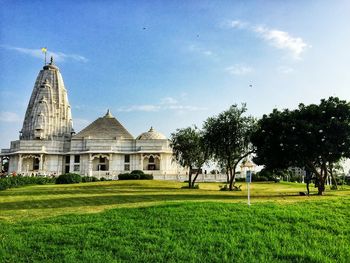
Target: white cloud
[282,40]
[145,108]
[184,108]
[285,70]
[7,116]
[236,24]
[37,53]
[239,69]
[165,104]
[200,50]
[168,100]
[276,38]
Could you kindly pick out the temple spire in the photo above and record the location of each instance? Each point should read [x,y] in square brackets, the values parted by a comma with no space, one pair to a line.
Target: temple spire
[48,113]
[109,114]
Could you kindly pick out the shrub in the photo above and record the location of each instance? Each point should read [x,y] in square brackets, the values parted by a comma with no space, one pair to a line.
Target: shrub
[147,177]
[135,175]
[240,179]
[137,172]
[16,181]
[224,187]
[68,178]
[86,179]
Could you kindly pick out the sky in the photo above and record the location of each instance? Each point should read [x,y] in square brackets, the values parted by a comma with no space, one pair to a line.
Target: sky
[172,64]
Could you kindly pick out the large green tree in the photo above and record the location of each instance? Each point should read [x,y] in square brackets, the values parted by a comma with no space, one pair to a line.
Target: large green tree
[188,150]
[227,138]
[314,137]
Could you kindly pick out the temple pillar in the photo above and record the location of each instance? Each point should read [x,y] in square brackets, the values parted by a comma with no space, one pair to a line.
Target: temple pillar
[90,165]
[19,168]
[71,163]
[41,160]
[141,162]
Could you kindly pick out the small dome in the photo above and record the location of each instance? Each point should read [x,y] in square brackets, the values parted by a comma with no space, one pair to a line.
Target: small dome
[151,135]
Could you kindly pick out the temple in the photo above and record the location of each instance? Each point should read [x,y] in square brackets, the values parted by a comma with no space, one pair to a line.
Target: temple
[48,145]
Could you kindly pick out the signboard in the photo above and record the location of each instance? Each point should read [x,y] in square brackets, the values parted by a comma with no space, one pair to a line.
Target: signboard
[248,178]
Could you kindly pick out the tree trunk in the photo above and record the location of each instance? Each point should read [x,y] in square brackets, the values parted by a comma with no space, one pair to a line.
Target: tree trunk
[190,177]
[321,186]
[321,183]
[333,179]
[319,178]
[194,179]
[233,176]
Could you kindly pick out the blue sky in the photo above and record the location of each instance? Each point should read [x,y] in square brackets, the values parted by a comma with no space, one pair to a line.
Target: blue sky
[171,64]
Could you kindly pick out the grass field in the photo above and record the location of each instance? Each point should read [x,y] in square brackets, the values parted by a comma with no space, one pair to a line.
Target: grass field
[157,221]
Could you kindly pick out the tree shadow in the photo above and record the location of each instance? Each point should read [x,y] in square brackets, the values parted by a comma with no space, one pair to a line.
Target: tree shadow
[126,197]
[107,200]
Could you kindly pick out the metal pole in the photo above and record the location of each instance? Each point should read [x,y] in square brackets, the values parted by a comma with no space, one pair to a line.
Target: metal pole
[248,194]
[248,180]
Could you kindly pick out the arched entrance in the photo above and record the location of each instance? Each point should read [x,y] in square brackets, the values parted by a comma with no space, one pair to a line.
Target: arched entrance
[100,164]
[151,162]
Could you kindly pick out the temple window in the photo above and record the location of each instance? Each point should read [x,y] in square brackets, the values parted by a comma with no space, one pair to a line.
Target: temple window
[36,164]
[76,158]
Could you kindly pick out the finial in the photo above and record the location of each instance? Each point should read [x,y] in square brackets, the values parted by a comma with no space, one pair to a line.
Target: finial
[44,50]
[109,114]
[51,60]
[151,130]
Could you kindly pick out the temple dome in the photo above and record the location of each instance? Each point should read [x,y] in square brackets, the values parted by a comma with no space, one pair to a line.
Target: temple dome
[151,135]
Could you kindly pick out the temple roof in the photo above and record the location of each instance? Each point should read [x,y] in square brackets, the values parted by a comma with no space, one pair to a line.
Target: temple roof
[106,127]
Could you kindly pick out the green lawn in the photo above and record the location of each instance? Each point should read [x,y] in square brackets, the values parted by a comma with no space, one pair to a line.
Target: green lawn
[157,221]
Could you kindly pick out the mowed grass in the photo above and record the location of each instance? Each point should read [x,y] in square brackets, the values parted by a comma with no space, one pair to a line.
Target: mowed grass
[157,221]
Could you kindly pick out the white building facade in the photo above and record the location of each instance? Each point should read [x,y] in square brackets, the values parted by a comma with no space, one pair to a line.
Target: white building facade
[47,143]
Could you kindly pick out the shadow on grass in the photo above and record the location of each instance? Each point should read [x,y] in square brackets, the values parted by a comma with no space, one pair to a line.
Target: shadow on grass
[83,189]
[119,199]
[92,191]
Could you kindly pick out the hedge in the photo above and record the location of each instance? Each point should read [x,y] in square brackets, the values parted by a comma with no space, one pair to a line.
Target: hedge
[68,178]
[86,179]
[135,175]
[19,180]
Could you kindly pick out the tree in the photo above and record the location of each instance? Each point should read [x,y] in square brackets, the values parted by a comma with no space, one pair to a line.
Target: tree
[227,138]
[188,150]
[314,137]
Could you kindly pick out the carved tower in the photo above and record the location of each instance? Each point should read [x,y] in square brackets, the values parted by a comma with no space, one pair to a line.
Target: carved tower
[48,116]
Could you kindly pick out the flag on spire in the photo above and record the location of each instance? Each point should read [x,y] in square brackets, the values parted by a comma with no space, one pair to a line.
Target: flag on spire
[44,50]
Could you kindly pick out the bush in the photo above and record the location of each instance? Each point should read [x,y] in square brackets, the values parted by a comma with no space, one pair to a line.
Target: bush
[68,178]
[16,181]
[104,179]
[135,175]
[137,172]
[226,188]
[240,180]
[86,179]
[269,175]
